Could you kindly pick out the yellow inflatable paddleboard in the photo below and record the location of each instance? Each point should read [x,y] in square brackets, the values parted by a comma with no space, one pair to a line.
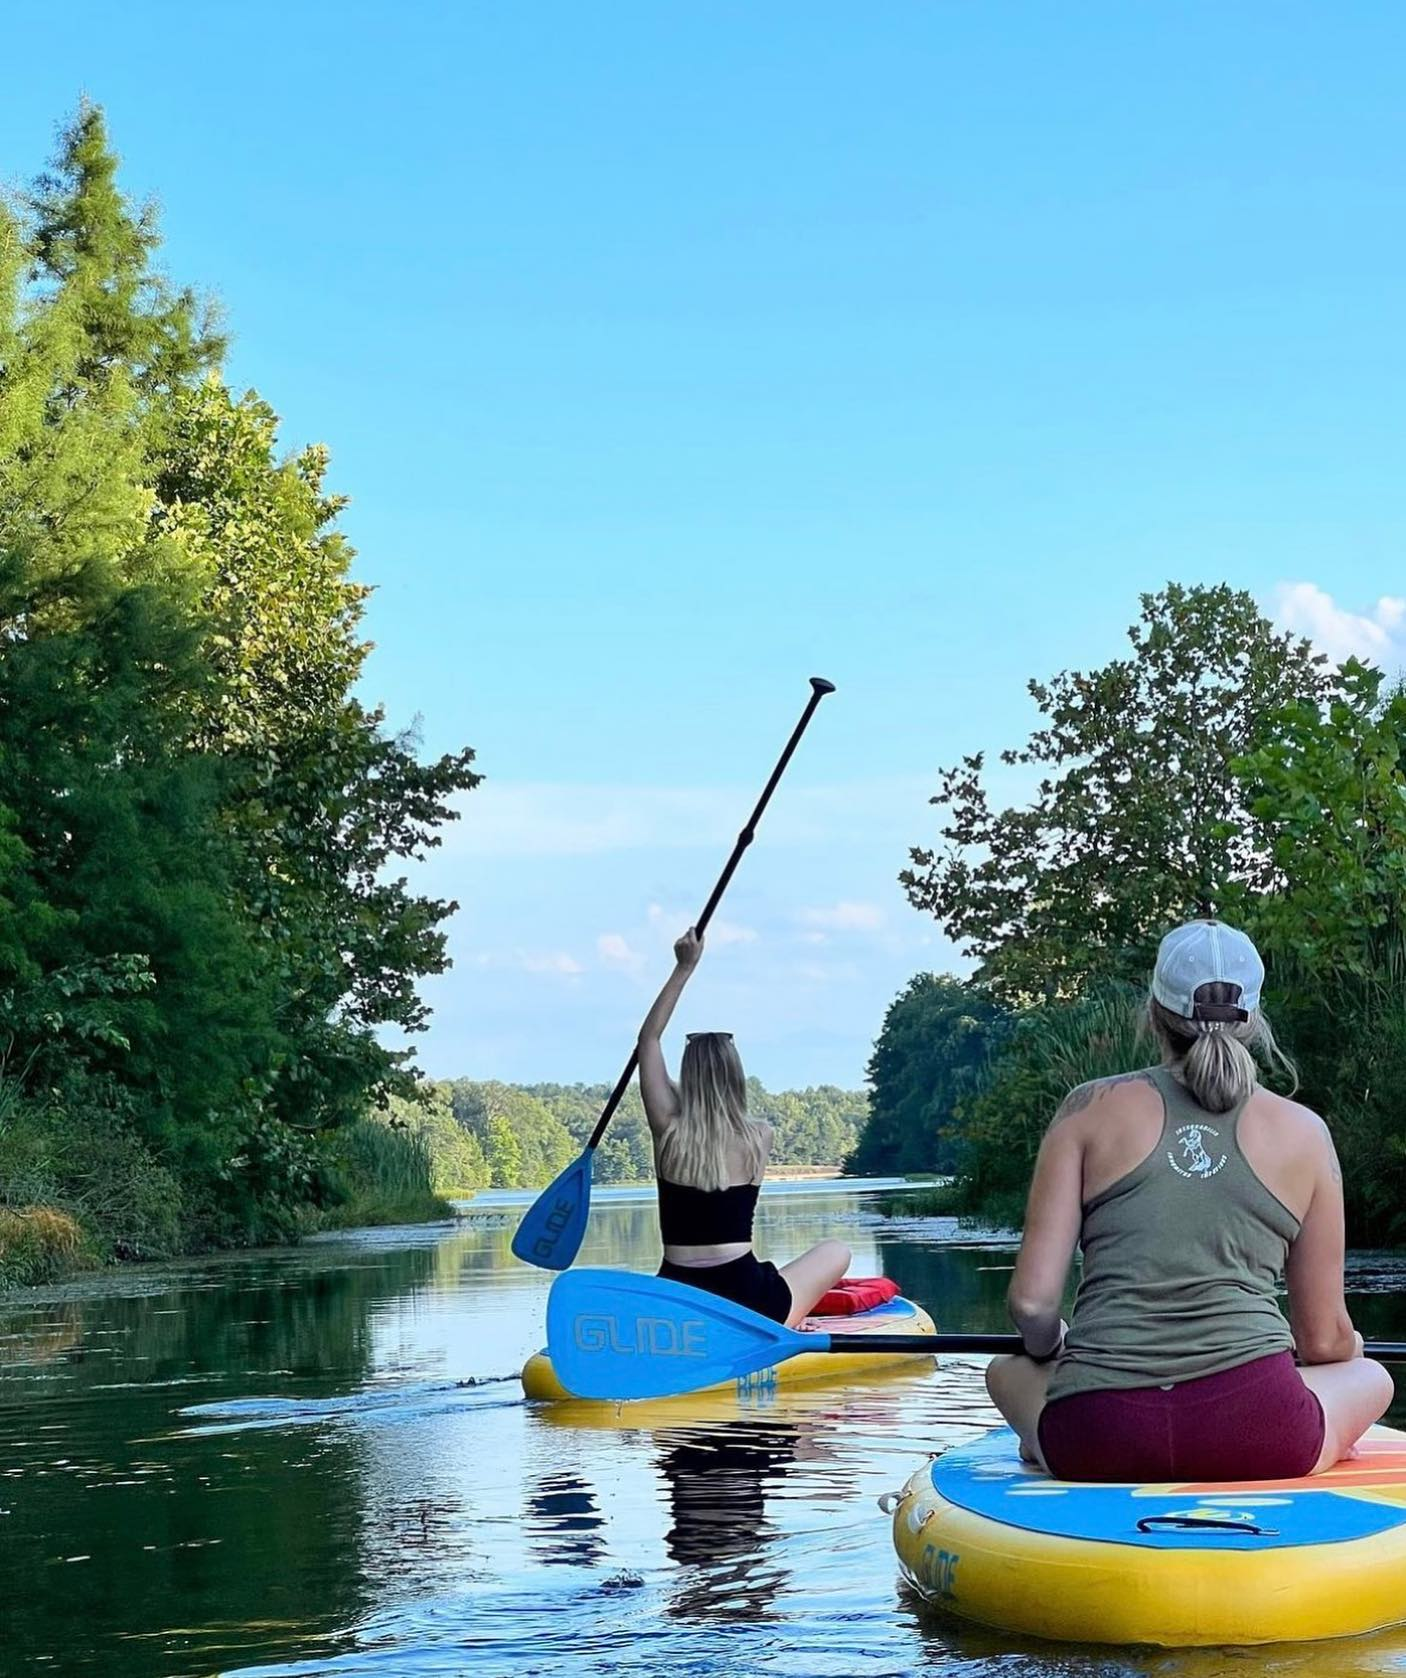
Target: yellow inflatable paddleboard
[898,1316]
[1266,1561]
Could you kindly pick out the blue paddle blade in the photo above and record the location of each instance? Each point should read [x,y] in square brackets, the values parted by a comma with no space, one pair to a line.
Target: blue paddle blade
[553,1227]
[614,1335]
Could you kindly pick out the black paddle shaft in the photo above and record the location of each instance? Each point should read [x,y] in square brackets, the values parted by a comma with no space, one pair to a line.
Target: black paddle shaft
[1385,1351]
[923,1343]
[819,688]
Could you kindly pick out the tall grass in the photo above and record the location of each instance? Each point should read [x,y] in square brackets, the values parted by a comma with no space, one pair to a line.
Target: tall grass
[1041,1055]
[380,1175]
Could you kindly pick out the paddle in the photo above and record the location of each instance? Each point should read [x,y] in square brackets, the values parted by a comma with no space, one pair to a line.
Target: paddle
[551,1231]
[616,1335]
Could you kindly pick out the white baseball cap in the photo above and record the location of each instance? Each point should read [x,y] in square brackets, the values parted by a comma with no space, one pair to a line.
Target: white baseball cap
[1207,953]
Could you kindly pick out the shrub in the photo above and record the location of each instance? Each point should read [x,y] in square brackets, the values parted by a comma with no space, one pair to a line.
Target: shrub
[37,1244]
[74,1150]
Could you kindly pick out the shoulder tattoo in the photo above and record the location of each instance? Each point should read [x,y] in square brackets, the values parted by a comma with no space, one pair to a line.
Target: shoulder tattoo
[1081,1097]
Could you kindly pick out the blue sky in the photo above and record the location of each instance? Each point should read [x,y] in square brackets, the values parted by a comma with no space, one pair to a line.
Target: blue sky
[672,353]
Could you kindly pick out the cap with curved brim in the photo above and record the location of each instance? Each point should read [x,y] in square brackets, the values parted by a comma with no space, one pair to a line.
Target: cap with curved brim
[1208,953]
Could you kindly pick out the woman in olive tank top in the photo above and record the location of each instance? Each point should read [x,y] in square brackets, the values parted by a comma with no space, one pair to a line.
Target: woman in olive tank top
[1194,1194]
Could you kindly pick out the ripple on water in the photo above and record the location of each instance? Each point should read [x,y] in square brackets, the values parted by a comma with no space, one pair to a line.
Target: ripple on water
[316,1462]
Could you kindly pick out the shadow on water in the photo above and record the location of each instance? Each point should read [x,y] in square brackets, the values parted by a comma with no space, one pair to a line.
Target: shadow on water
[320,1463]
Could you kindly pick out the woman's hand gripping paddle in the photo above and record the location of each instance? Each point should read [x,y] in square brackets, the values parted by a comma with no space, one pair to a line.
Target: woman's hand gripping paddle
[616,1335]
[551,1232]
[612,1334]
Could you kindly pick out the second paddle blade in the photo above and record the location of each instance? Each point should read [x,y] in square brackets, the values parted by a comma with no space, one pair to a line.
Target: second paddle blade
[620,1336]
[552,1228]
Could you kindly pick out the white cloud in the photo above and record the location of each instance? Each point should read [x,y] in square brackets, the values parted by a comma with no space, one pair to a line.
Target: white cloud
[670,924]
[615,950]
[843,917]
[1376,637]
[731,932]
[556,961]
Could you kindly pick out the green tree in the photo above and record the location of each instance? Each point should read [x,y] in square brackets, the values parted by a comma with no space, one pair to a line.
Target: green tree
[503,1153]
[1035,1057]
[323,804]
[1327,795]
[112,863]
[1328,790]
[525,1144]
[930,1053]
[203,929]
[459,1165]
[1137,817]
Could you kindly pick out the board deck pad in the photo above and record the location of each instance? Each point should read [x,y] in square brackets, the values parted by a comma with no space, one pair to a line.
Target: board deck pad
[888,1318]
[1357,1498]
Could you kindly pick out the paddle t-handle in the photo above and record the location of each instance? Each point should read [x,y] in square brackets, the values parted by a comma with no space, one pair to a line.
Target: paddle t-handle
[552,1228]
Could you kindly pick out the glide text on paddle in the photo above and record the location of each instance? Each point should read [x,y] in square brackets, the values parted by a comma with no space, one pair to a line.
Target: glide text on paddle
[661,1337]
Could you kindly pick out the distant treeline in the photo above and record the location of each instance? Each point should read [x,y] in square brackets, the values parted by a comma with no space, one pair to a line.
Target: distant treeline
[494,1135]
[1224,765]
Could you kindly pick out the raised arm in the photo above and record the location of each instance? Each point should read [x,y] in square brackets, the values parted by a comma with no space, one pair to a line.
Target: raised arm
[1053,1218]
[1323,1331]
[661,1099]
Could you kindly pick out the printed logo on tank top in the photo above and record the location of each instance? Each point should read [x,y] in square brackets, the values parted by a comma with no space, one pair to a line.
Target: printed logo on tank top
[1195,1151]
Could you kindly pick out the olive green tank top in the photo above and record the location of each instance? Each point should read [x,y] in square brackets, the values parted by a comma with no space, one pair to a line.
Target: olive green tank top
[1183,1260]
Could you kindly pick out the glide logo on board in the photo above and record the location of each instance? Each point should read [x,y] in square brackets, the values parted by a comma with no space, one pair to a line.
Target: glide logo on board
[939,1571]
[655,1337]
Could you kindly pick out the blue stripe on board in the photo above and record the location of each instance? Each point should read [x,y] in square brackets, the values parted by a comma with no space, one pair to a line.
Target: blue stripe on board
[989,1479]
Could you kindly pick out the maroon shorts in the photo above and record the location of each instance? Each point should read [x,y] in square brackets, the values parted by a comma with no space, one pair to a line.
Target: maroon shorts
[1257,1422]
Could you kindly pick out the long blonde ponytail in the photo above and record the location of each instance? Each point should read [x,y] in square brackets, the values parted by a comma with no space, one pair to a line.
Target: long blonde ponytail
[713,1115]
[1215,1059]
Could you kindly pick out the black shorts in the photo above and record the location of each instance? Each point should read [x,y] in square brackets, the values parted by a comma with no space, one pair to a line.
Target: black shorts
[748,1280]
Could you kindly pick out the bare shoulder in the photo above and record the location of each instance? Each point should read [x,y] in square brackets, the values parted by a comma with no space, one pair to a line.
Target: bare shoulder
[1293,1122]
[1128,1092]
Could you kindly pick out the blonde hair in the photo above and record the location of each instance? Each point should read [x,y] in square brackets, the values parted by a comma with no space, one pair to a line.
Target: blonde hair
[1215,1059]
[712,1115]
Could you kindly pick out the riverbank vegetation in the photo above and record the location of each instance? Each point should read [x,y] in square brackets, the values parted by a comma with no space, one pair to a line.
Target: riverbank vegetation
[204,928]
[495,1135]
[1221,766]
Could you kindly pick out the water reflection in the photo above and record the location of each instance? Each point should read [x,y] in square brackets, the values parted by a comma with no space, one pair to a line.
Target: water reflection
[319,1463]
[563,1515]
[717,1481]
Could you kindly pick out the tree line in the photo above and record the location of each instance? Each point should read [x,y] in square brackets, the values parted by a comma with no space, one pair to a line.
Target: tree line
[204,922]
[493,1135]
[1222,766]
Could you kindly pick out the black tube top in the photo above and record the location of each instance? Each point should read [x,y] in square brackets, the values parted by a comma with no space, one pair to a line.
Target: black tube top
[691,1217]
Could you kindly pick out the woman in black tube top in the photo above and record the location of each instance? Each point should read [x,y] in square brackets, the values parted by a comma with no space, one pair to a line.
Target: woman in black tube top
[710,1158]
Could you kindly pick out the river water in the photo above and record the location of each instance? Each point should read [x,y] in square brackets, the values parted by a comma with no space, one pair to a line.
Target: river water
[319,1461]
